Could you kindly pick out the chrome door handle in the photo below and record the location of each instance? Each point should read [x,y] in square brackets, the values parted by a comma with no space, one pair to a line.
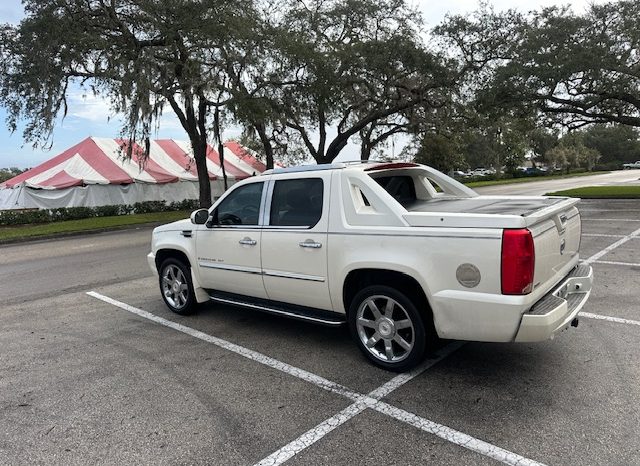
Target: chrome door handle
[246,241]
[310,244]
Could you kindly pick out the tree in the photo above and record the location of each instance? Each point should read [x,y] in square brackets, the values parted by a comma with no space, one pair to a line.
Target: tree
[571,153]
[142,55]
[338,70]
[8,173]
[617,143]
[440,152]
[542,140]
[576,69]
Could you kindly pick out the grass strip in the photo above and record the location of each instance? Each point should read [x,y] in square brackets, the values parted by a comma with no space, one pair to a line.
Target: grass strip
[87,224]
[601,192]
[478,184]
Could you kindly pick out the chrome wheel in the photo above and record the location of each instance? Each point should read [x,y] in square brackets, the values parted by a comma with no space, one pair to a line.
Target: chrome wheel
[385,328]
[175,287]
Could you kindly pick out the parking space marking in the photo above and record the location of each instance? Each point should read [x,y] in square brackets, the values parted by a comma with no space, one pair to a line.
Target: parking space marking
[318,432]
[609,318]
[317,380]
[454,436]
[609,210]
[611,219]
[611,247]
[635,264]
[444,432]
[602,235]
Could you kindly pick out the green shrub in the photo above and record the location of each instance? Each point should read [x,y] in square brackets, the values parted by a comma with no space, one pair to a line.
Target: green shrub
[28,216]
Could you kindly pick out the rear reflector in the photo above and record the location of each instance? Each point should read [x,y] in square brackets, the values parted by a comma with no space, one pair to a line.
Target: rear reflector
[518,260]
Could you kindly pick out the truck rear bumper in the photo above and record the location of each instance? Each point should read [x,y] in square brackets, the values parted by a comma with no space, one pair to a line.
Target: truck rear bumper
[558,308]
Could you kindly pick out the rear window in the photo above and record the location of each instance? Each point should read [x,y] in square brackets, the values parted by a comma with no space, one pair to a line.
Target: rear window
[401,188]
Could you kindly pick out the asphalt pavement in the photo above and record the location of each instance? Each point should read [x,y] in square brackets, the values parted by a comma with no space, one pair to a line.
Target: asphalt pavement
[115,378]
[539,188]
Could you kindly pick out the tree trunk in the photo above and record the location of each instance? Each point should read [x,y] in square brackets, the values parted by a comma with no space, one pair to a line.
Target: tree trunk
[266,144]
[217,133]
[199,146]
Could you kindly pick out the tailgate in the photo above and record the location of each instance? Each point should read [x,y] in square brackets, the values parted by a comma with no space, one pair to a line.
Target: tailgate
[556,236]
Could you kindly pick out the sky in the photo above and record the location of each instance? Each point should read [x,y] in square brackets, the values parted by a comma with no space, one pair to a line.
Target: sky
[91,116]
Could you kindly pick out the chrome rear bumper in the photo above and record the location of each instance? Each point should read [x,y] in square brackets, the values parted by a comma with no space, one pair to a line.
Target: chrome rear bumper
[558,308]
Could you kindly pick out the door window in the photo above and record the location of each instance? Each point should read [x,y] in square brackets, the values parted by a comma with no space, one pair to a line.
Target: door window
[240,207]
[296,202]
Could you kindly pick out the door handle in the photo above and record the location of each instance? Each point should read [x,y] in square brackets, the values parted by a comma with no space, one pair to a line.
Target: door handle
[246,241]
[310,244]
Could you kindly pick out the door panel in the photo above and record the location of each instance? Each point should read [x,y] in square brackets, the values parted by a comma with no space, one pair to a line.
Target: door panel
[228,249]
[294,244]
[229,260]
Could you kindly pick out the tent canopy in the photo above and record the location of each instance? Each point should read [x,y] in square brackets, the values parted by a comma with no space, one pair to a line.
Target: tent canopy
[102,161]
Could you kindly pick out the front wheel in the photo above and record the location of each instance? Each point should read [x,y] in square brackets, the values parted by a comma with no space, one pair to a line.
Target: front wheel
[176,287]
[388,328]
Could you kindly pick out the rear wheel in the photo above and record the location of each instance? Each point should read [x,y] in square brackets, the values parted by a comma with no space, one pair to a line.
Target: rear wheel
[388,328]
[176,287]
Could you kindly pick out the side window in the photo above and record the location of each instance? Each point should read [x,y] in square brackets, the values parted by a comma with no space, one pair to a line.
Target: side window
[296,202]
[241,207]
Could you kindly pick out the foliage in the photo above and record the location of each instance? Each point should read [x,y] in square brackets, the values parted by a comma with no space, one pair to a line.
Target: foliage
[21,232]
[618,144]
[142,55]
[571,153]
[32,216]
[342,70]
[8,173]
[440,152]
[576,69]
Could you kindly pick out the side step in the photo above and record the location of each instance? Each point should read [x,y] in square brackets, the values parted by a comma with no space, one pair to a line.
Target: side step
[292,311]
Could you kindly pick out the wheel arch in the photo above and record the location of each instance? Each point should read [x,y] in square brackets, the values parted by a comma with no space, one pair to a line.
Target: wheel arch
[166,253]
[360,278]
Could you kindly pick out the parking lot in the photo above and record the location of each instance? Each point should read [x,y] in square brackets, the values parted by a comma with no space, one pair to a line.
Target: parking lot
[106,374]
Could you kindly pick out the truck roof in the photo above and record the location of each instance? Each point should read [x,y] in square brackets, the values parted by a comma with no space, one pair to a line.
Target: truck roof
[366,165]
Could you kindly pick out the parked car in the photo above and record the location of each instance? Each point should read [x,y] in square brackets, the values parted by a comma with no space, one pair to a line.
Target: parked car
[628,166]
[400,252]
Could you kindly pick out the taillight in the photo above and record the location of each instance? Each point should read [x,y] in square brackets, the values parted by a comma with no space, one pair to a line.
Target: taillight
[518,260]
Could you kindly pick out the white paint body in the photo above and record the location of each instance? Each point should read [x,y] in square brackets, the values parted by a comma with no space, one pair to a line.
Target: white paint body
[363,227]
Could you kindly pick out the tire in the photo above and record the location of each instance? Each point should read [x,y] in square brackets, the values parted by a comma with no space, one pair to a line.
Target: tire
[176,288]
[388,328]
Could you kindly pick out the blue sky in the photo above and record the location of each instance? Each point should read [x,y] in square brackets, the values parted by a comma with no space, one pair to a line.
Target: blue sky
[90,116]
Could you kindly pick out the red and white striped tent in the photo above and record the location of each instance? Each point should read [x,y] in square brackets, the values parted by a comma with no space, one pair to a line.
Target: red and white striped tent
[95,172]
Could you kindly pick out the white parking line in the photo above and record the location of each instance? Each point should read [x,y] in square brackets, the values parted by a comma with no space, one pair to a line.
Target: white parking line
[361,401]
[318,432]
[611,247]
[617,263]
[240,350]
[454,436]
[610,220]
[602,235]
[609,318]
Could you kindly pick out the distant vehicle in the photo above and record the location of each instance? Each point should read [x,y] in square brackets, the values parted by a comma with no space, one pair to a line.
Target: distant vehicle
[377,246]
[461,174]
[480,172]
[629,166]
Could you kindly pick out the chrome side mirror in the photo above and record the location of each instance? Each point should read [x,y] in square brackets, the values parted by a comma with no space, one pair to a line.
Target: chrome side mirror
[199,217]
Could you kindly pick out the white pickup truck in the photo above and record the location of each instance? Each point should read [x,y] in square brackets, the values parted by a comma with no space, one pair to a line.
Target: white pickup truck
[629,166]
[400,252]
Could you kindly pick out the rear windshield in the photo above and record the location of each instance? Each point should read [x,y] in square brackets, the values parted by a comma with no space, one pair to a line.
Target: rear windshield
[401,187]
